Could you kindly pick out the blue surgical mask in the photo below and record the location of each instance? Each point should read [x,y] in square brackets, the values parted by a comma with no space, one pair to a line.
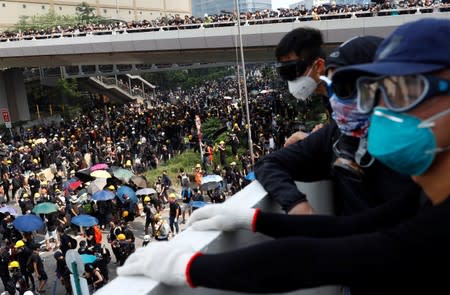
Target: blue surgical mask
[403,142]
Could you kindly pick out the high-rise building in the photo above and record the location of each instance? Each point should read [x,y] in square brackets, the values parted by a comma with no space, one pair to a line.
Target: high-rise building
[211,7]
[128,10]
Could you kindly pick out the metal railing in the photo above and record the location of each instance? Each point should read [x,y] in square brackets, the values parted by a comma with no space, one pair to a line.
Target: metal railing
[204,25]
[252,195]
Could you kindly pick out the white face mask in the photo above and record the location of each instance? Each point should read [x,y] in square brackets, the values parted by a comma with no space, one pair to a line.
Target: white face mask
[302,87]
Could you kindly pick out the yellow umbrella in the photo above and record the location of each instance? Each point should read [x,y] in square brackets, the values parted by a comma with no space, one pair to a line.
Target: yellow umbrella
[100,174]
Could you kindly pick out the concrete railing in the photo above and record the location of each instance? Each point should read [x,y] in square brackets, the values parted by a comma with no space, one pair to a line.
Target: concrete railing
[253,195]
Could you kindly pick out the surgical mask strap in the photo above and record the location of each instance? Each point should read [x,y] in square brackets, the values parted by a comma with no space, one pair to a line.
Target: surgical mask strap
[428,123]
[361,152]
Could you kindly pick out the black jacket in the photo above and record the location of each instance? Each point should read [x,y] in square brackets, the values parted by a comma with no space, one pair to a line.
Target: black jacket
[311,160]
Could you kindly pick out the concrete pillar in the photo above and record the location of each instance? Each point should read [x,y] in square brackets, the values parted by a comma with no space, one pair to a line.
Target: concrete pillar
[13,95]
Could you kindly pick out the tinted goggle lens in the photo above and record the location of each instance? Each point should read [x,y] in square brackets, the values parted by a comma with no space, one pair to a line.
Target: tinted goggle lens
[289,71]
[399,92]
[344,90]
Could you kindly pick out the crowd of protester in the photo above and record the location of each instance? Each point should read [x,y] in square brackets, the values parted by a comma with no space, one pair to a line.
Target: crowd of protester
[52,164]
[176,22]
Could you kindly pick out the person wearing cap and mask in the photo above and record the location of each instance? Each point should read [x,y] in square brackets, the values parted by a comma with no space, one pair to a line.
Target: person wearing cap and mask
[391,249]
[329,153]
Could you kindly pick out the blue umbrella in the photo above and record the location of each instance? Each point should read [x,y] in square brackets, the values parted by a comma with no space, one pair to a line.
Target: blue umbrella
[103,195]
[198,204]
[84,220]
[250,176]
[87,258]
[28,223]
[126,191]
[68,182]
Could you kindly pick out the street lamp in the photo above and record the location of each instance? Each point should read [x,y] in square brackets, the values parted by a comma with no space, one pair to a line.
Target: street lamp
[249,129]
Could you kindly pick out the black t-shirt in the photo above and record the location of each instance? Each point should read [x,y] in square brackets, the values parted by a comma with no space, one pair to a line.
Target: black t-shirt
[35,258]
[173,209]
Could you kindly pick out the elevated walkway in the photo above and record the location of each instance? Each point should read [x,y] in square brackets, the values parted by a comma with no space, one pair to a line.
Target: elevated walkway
[253,195]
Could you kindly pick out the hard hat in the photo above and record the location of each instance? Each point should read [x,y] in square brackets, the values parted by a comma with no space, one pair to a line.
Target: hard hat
[28,293]
[222,142]
[14,264]
[19,244]
[146,238]
[233,163]
[37,195]
[121,237]
[111,187]
[125,213]
[147,199]
[198,166]
[25,195]
[35,161]
[172,196]
[128,163]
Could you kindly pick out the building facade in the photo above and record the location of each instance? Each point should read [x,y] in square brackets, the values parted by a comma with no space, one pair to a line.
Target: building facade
[128,10]
[211,7]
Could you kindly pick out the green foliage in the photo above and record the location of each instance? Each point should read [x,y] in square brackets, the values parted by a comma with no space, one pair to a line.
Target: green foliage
[186,160]
[69,87]
[44,21]
[210,126]
[86,13]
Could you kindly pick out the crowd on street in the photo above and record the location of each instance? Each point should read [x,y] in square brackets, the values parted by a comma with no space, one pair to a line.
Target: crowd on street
[85,176]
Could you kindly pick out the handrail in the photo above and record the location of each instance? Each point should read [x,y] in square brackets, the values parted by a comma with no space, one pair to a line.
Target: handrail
[253,195]
[142,80]
[205,25]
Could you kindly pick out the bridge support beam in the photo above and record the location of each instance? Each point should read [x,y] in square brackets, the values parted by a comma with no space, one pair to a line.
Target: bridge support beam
[13,95]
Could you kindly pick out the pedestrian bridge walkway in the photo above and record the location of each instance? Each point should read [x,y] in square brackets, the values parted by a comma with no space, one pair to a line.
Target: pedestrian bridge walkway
[201,45]
[253,195]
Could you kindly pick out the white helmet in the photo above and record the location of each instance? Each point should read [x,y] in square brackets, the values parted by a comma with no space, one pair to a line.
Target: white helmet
[146,238]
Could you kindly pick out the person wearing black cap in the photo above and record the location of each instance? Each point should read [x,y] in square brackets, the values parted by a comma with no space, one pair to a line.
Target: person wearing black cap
[391,249]
[315,157]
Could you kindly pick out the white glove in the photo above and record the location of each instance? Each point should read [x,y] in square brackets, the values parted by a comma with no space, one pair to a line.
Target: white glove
[223,217]
[166,262]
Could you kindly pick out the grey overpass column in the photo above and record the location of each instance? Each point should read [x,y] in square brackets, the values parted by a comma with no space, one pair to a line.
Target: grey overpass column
[13,95]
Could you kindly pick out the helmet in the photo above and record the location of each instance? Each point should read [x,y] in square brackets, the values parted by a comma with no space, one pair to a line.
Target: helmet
[28,293]
[198,166]
[222,142]
[37,195]
[121,237]
[124,213]
[147,199]
[146,238]
[172,196]
[111,187]
[128,163]
[19,244]
[156,216]
[14,264]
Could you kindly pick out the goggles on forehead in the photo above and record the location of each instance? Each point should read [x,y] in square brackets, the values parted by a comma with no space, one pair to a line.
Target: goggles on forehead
[399,93]
[290,70]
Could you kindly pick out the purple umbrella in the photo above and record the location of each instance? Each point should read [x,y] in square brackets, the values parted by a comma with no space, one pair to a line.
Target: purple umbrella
[8,209]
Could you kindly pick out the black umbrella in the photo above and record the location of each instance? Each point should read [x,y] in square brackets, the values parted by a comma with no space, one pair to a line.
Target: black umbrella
[84,175]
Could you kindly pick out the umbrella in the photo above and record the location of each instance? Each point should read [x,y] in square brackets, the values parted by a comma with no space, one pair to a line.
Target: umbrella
[82,195]
[28,223]
[250,176]
[198,204]
[100,174]
[125,190]
[96,185]
[84,220]
[139,181]
[88,258]
[84,175]
[68,182]
[8,209]
[45,208]
[103,195]
[210,181]
[123,174]
[145,191]
[100,166]
[74,185]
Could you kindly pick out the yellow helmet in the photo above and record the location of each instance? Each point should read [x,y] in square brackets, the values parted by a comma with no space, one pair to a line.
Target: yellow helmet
[20,244]
[198,166]
[147,199]
[121,237]
[125,213]
[157,216]
[111,187]
[172,196]
[128,163]
[14,264]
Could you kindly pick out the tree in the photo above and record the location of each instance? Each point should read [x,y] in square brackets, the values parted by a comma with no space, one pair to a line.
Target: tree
[85,12]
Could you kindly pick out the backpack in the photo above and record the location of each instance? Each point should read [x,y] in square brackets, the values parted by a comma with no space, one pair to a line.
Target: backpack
[73,242]
[88,208]
[185,181]
[97,235]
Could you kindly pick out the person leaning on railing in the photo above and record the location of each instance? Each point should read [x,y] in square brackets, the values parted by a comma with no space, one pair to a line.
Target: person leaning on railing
[392,249]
